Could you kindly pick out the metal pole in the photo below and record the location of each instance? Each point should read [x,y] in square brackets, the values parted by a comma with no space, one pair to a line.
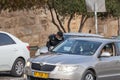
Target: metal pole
[96,24]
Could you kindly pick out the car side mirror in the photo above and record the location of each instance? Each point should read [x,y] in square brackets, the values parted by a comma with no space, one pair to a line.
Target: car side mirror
[51,48]
[41,50]
[105,54]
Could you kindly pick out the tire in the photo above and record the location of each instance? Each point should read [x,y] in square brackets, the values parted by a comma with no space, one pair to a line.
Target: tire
[18,68]
[89,75]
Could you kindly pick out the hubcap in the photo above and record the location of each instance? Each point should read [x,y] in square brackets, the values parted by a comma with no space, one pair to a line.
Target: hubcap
[19,67]
[89,77]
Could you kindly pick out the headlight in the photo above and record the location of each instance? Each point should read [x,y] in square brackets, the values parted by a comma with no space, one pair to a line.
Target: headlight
[68,68]
[28,64]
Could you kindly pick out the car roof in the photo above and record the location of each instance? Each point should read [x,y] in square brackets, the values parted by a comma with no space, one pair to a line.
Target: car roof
[3,32]
[95,39]
[83,34]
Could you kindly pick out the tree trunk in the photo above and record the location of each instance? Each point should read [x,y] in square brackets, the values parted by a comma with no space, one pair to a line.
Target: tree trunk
[60,23]
[82,22]
[53,20]
[69,21]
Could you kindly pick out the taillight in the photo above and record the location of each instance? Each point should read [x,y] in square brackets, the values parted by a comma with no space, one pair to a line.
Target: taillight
[28,47]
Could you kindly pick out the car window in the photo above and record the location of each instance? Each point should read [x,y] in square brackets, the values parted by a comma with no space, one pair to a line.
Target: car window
[5,39]
[118,47]
[109,48]
[77,47]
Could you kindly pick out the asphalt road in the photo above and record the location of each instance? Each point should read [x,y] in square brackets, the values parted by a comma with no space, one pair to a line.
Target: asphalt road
[7,76]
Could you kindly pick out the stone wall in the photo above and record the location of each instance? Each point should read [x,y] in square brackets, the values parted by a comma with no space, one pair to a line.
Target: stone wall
[106,27]
[34,26]
[30,26]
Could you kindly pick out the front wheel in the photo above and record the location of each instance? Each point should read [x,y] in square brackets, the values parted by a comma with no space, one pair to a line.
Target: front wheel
[89,75]
[18,67]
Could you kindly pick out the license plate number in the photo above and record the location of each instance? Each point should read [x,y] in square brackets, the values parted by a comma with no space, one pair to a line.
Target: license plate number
[41,74]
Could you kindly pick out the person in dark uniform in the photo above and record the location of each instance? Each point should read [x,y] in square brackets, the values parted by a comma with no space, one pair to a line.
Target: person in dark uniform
[54,39]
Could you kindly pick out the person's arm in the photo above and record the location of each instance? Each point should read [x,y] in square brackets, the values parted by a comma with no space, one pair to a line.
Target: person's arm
[49,44]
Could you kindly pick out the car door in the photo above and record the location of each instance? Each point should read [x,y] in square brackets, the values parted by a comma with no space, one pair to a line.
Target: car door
[7,51]
[118,54]
[108,66]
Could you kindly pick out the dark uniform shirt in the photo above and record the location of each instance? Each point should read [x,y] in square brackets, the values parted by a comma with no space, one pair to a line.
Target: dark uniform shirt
[53,41]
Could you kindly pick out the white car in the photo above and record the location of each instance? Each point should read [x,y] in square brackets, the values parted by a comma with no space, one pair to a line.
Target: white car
[13,54]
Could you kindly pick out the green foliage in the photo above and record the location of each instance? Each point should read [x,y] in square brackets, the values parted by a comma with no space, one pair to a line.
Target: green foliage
[113,7]
[66,7]
[63,7]
[13,5]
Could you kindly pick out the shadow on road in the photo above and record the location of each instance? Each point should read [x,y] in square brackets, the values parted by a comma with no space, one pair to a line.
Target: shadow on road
[7,76]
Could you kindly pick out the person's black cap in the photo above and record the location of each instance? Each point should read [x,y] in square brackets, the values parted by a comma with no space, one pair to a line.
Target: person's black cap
[60,33]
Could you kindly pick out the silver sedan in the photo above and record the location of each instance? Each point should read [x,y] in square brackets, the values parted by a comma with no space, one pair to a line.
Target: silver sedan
[78,59]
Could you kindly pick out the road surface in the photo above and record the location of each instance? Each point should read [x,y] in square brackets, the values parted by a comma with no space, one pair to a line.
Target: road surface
[7,76]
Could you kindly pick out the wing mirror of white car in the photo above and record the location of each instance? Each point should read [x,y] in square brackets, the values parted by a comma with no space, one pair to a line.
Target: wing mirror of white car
[105,54]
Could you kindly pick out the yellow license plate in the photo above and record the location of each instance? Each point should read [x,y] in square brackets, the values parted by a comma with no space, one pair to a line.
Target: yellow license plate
[41,75]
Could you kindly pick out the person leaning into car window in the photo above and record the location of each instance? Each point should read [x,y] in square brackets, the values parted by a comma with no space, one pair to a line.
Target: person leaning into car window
[107,50]
[54,39]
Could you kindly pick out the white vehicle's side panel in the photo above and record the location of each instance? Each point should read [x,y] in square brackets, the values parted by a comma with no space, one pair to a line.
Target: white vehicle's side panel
[9,53]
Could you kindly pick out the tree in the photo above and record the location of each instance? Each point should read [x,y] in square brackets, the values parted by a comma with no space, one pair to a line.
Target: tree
[112,7]
[13,5]
[67,9]
[63,9]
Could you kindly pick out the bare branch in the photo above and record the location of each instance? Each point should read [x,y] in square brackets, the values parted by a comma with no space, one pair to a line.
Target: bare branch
[53,20]
[69,21]
[57,16]
[83,20]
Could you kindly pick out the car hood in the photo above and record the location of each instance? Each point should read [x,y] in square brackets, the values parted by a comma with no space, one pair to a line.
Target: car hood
[63,59]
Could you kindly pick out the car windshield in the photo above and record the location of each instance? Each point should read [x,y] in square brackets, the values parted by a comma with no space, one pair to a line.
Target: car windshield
[77,47]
